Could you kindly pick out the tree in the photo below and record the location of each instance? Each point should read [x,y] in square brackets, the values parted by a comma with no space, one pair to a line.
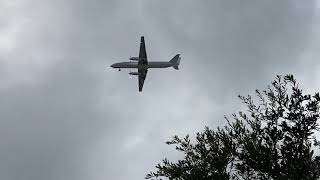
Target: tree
[207,159]
[274,139]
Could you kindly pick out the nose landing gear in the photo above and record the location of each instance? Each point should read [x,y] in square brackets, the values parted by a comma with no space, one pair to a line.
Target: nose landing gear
[119,69]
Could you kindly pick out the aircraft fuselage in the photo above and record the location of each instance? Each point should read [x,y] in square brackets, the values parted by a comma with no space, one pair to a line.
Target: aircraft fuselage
[152,64]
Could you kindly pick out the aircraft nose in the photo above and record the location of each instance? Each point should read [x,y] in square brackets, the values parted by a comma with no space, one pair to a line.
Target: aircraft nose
[112,66]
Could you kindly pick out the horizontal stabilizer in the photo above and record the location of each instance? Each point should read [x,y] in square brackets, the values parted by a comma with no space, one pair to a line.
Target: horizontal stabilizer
[175,61]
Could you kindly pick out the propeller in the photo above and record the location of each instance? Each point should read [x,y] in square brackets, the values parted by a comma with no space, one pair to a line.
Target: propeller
[130,76]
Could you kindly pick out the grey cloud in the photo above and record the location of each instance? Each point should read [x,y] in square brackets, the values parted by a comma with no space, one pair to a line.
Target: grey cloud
[79,119]
[245,40]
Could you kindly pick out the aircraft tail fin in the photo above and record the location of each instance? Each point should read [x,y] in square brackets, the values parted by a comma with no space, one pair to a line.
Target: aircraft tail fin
[175,61]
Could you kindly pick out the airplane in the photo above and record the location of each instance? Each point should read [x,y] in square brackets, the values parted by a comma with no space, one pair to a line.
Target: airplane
[142,64]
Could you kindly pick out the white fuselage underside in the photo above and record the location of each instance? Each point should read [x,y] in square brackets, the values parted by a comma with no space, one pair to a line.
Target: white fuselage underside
[151,64]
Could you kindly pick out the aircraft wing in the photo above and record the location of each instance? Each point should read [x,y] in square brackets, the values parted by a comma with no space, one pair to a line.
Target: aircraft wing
[142,52]
[143,61]
[142,77]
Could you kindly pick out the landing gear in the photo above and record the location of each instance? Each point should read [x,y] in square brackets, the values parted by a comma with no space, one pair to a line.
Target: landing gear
[119,69]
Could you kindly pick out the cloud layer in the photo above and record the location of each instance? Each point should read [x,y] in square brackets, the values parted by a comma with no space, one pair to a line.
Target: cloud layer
[66,115]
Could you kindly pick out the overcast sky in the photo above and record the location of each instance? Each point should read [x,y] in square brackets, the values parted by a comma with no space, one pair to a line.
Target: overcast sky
[66,115]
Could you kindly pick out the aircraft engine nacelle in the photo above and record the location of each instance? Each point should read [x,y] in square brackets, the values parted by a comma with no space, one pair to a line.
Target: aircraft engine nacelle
[135,58]
[134,73]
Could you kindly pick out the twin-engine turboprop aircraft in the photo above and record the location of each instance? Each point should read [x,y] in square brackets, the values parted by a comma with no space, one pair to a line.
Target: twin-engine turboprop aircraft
[143,65]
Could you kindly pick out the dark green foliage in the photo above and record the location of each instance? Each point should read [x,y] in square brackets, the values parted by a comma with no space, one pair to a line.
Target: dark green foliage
[274,139]
[207,159]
